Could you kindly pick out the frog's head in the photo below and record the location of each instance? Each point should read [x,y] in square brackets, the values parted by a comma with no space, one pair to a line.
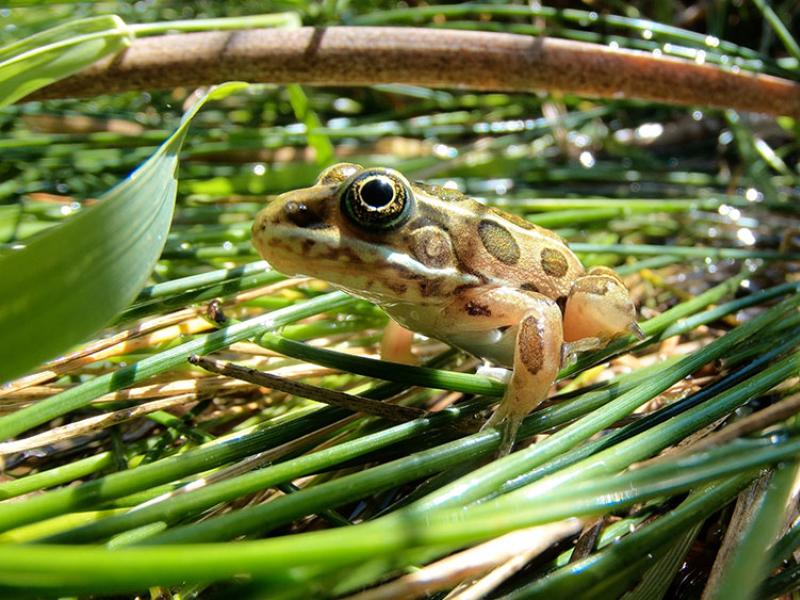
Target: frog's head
[369,231]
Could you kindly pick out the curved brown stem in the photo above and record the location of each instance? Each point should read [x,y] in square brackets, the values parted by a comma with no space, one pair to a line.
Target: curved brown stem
[430,57]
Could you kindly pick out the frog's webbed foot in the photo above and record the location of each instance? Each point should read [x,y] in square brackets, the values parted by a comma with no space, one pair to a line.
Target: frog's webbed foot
[508,426]
[570,350]
[598,307]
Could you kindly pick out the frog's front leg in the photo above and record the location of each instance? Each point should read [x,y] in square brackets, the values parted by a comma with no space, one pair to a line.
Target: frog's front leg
[535,322]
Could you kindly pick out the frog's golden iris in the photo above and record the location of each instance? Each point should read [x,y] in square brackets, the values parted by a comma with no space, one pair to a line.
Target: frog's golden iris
[377,198]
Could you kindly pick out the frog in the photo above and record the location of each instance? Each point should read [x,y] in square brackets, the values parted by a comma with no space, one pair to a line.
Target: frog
[449,267]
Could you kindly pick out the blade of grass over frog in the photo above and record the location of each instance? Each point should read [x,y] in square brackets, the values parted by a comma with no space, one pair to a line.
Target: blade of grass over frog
[41,59]
[409,55]
[689,251]
[180,506]
[94,263]
[222,451]
[81,395]
[483,481]
[578,577]
[136,567]
[744,571]
[389,371]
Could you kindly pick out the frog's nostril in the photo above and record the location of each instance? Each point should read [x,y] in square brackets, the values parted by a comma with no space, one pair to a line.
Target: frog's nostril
[304,216]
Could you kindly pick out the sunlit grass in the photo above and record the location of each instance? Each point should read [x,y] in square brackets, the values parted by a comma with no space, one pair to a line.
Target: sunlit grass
[191,479]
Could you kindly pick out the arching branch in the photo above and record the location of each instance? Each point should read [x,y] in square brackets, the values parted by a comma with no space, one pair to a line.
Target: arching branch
[345,56]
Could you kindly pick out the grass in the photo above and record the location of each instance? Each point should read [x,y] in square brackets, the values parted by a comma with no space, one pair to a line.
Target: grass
[126,469]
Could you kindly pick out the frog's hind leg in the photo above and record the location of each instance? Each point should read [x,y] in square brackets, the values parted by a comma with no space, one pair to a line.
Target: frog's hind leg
[396,344]
[598,309]
[537,359]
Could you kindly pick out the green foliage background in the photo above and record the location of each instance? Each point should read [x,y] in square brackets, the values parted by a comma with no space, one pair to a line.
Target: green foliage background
[697,207]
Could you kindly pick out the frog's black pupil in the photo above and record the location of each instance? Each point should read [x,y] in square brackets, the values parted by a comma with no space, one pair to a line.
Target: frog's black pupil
[377,192]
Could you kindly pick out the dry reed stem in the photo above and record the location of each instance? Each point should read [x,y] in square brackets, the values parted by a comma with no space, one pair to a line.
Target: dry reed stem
[438,58]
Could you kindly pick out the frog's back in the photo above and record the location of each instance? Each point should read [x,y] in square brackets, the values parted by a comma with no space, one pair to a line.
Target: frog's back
[504,249]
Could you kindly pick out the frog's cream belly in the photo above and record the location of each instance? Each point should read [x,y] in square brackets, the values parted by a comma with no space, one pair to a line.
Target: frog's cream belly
[494,344]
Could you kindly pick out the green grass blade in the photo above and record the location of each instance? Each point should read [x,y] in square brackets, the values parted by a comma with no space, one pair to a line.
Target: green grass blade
[485,480]
[79,396]
[578,577]
[780,29]
[745,569]
[45,57]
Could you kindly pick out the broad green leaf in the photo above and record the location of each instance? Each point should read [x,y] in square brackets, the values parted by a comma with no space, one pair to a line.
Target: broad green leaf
[73,279]
[41,59]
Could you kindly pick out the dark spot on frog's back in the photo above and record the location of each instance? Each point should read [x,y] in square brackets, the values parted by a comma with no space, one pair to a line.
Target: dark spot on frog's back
[554,263]
[499,242]
[531,345]
[475,309]
[304,216]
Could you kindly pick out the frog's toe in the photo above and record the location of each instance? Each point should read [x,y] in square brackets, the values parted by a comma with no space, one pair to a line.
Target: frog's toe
[508,425]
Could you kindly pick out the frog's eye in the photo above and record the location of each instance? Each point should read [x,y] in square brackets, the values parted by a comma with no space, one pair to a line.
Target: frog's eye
[377,199]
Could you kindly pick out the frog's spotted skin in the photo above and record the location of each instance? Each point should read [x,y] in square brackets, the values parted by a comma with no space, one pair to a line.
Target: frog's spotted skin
[451,268]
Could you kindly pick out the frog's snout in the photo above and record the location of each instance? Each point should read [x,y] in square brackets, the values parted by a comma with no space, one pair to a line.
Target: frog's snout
[290,226]
[304,209]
